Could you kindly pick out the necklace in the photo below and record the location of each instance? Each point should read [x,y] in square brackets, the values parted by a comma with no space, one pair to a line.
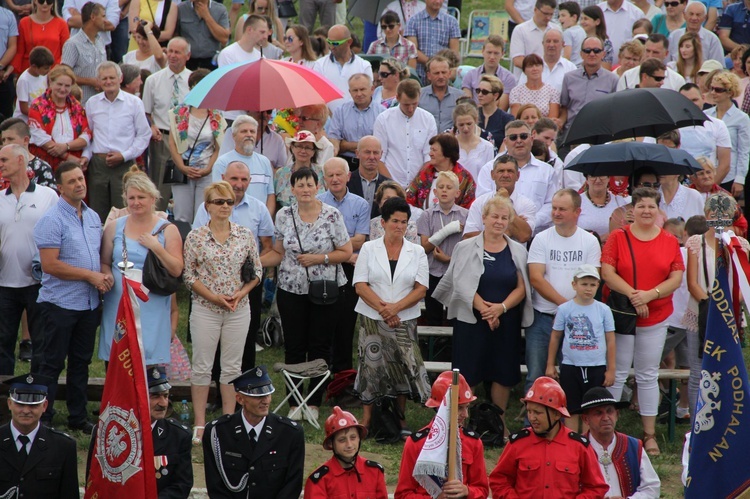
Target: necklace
[605,460]
[606,200]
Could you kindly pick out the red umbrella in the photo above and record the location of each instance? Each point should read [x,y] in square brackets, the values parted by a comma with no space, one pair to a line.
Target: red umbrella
[262,85]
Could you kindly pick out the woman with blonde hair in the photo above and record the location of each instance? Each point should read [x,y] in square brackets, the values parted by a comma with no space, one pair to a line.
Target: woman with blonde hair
[689,57]
[391,73]
[475,152]
[630,56]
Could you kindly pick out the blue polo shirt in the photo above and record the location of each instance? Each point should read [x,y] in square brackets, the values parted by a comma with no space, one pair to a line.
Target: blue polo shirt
[351,123]
[736,19]
[261,172]
[250,213]
[79,242]
[355,210]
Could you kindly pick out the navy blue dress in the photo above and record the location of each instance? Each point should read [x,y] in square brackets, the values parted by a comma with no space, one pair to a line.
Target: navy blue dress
[480,353]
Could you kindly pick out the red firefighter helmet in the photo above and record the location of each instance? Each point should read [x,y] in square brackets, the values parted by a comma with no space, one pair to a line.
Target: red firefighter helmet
[547,392]
[341,420]
[441,385]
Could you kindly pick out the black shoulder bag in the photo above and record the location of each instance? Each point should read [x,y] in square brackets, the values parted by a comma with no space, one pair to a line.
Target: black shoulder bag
[155,275]
[703,304]
[323,291]
[623,311]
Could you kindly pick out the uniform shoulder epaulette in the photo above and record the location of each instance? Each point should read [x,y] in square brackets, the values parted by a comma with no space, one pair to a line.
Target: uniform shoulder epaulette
[58,432]
[374,464]
[289,422]
[471,433]
[316,475]
[221,420]
[419,435]
[519,435]
[578,438]
[179,425]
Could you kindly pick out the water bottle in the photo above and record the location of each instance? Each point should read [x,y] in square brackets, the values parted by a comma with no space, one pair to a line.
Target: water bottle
[215,59]
[184,411]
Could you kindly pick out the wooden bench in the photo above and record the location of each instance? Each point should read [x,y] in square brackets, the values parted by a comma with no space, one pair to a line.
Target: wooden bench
[671,375]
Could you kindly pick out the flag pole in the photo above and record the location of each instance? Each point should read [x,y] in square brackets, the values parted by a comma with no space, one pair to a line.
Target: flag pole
[453,428]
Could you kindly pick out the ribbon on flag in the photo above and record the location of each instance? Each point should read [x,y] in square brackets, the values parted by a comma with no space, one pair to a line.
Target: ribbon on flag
[431,468]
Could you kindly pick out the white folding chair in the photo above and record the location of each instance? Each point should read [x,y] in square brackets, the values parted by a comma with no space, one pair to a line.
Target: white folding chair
[295,376]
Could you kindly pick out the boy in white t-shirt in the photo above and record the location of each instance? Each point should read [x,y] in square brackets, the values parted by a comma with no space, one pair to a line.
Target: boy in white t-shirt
[586,328]
[569,13]
[33,82]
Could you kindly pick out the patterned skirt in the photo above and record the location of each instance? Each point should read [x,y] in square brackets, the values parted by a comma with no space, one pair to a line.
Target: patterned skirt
[390,362]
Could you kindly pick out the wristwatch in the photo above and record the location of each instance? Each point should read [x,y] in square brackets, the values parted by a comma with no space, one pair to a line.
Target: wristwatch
[325,259]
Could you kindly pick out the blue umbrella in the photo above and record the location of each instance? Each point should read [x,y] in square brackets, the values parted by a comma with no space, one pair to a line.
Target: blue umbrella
[623,158]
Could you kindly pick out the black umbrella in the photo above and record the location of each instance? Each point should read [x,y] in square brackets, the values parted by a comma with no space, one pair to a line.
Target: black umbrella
[639,112]
[623,158]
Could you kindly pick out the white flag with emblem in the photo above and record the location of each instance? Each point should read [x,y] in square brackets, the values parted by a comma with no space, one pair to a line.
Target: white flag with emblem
[431,468]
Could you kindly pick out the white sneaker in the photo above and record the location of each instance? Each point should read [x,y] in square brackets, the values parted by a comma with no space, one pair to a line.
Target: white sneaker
[295,414]
[683,412]
[258,348]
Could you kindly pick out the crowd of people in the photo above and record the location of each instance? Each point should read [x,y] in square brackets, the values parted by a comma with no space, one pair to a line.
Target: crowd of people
[429,181]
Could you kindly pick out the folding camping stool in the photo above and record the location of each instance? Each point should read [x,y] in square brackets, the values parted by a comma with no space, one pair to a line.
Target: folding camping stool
[295,376]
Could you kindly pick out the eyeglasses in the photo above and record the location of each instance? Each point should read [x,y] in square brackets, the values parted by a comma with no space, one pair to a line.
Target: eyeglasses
[596,51]
[514,137]
[387,26]
[221,202]
[289,39]
[484,91]
[652,185]
[336,43]
[41,2]
[385,74]
[304,148]
[719,90]
[672,4]
[658,78]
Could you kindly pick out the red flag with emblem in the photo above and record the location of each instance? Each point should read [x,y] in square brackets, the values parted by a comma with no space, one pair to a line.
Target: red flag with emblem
[122,460]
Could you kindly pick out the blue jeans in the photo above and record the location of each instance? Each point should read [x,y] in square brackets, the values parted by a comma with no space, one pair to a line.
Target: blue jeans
[537,345]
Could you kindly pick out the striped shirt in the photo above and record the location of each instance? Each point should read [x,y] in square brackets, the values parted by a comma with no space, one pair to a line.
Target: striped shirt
[84,56]
[79,241]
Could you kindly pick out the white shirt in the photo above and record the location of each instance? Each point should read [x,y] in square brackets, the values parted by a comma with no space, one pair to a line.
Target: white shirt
[117,126]
[230,55]
[680,297]
[711,44]
[112,8]
[148,63]
[523,206]
[157,95]
[475,159]
[703,140]
[686,203]
[28,88]
[17,220]
[31,435]
[620,24]
[539,183]
[339,75]
[527,39]
[405,141]
[554,76]
[596,218]
[632,77]
[258,428]
[650,486]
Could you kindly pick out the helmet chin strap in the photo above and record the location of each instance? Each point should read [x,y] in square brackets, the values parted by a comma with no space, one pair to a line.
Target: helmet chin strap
[349,463]
[550,425]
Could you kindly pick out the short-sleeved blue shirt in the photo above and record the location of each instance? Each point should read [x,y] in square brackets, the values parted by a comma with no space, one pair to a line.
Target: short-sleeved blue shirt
[354,209]
[583,328]
[736,18]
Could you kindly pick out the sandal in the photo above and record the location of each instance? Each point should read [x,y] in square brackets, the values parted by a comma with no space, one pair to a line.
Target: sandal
[197,440]
[405,434]
[651,451]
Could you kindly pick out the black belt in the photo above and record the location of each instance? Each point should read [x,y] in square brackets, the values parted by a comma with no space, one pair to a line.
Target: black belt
[165,132]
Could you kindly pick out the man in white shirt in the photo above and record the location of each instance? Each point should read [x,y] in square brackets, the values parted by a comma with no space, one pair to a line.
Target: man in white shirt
[244,133]
[120,134]
[555,65]
[245,49]
[162,91]
[695,16]
[619,16]
[341,63]
[711,139]
[505,175]
[405,132]
[656,47]
[527,36]
[554,256]
[71,13]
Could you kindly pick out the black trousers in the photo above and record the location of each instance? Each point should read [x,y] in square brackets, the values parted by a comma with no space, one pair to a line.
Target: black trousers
[346,321]
[200,62]
[308,331]
[71,334]
[13,301]
[433,308]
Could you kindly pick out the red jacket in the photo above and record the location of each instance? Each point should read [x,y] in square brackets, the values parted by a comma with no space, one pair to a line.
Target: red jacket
[472,466]
[534,467]
[331,481]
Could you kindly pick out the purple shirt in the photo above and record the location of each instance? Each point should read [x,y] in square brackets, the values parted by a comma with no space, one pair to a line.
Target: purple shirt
[472,77]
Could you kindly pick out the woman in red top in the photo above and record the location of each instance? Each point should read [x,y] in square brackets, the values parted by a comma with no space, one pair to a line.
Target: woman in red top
[44,27]
[658,274]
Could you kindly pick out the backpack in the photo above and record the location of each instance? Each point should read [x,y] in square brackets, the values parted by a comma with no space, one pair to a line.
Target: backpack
[385,424]
[485,420]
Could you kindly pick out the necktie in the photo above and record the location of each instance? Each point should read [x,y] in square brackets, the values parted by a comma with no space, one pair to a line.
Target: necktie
[746,101]
[23,452]
[252,434]
[176,91]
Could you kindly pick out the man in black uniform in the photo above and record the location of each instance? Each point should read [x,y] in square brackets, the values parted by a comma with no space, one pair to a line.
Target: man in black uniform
[254,452]
[172,444]
[30,451]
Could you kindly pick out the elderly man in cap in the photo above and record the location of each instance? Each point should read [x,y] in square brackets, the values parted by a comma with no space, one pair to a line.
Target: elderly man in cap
[254,452]
[29,449]
[622,458]
[172,446]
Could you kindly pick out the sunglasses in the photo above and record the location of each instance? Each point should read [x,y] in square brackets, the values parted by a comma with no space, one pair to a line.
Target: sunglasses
[672,4]
[719,90]
[289,39]
[484,91]
[596,51]
[514,137]
[42,2]
[658,78]
[336,43]
[307,118]
[385,74]
[652,185]
[387,26]
[221,202]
